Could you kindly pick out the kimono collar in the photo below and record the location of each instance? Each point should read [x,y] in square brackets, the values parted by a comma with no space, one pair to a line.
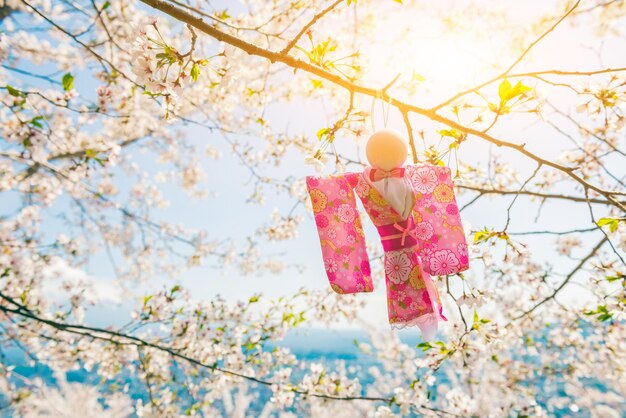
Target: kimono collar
[376,174]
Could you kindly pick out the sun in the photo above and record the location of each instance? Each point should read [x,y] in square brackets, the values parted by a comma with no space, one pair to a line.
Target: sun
[440,64]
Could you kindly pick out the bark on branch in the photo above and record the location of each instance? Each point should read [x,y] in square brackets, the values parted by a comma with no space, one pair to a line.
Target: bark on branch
[124,339]
[355,88]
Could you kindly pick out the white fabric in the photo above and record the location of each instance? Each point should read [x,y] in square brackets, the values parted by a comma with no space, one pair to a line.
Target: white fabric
[398,192]
[427,324]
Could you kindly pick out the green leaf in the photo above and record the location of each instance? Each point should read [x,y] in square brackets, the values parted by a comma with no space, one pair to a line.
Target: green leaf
[485,234]
[612,223]
[68,82]
[482,235]
[602,313]
[425,346]
[504,89]
[616,277]
[518,90]
[14,92]
[317,84]
[106,5]
[507,93]
[195,72]
[417,77]
[253,299]
[447,132]
[322,132]
[223,15]
[35,121]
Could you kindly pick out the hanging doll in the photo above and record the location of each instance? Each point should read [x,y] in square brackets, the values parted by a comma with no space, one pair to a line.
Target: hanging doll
[415,212]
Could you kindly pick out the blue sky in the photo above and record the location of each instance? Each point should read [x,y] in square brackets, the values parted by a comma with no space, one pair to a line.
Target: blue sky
[228,215]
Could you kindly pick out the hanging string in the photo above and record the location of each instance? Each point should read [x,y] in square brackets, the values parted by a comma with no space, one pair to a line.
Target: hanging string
[385,113]
[379,95]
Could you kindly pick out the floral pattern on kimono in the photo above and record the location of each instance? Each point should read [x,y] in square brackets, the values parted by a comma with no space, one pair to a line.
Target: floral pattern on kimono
[341,234]
[429,241]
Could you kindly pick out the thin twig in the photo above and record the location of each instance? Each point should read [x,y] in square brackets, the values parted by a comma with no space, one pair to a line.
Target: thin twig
[119,338]
[306,27]
[295,63]
[510,67]
[564,282]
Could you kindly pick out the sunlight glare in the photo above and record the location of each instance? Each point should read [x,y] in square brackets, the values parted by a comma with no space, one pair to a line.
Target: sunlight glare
[440,64]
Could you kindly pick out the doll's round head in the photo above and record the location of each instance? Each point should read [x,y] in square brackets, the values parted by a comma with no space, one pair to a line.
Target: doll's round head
[386,149]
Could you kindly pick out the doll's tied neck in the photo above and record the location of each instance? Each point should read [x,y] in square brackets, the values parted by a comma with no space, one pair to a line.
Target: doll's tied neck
[377,174]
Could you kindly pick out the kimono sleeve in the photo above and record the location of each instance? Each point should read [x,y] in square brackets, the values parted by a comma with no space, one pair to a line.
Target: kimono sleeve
[438,227]
[341,233]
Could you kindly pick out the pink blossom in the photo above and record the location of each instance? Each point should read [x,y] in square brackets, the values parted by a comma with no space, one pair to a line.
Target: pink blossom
[424,230]
[346,213]
[397,267]
[424,179]
[443,262]
[321,221]
[330,265]
[452,209]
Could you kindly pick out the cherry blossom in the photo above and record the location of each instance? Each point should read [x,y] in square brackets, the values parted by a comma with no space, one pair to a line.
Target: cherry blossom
[105,109]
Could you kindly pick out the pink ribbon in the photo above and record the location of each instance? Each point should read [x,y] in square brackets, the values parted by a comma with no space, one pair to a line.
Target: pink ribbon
[405,232]
[406,229]
[378,174]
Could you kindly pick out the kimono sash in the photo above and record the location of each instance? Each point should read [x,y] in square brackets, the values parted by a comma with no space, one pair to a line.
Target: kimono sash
[341,234]
[398,235]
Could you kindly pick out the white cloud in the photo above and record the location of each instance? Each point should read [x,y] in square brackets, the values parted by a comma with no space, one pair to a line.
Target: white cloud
[97,289]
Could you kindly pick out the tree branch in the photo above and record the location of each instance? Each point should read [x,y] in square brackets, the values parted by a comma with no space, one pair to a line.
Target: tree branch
[508,70]
[120,338]
[565,281]
[536,194]
[403,107]
[306,27]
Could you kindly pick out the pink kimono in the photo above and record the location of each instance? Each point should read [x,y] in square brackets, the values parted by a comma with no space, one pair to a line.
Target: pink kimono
[430,240]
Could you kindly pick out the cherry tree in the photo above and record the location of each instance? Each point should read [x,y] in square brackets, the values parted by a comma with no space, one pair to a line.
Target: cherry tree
[537,324]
